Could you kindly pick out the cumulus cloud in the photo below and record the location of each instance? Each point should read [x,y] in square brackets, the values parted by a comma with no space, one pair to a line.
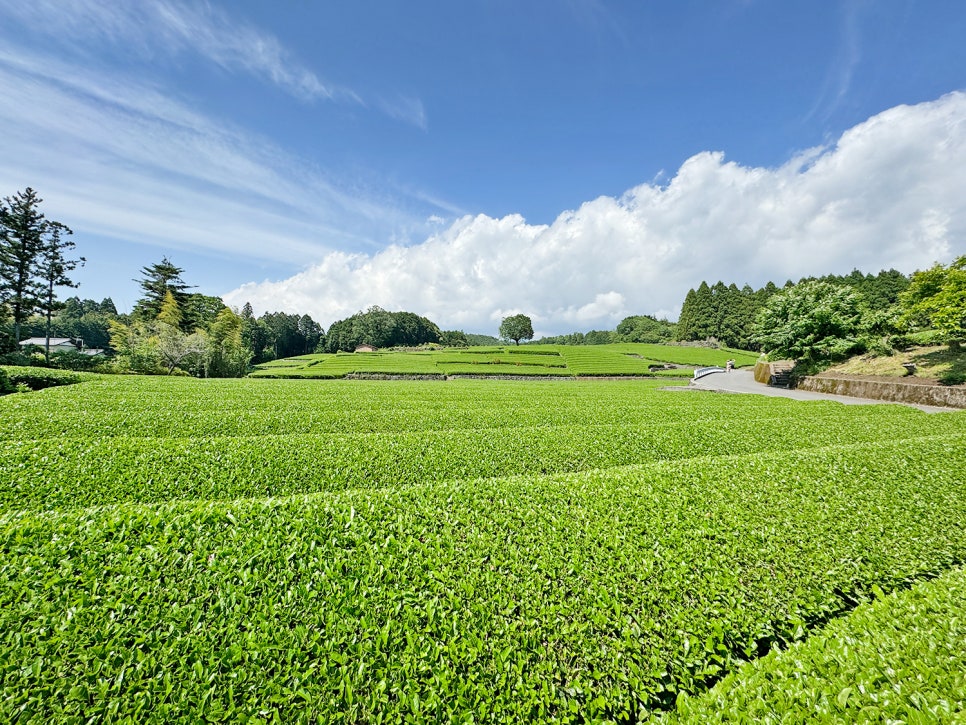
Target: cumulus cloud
[887,195]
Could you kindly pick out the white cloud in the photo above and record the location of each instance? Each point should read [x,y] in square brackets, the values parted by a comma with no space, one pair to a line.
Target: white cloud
[888,194]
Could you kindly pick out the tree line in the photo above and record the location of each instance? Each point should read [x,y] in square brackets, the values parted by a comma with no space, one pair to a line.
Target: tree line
[729,315]
[726,315]
[172,328]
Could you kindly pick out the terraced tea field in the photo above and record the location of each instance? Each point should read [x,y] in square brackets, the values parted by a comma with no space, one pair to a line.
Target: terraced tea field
[624,359]
[470,551]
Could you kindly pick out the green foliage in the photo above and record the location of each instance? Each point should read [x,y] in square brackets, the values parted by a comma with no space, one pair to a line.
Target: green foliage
[70,360]
[880,291]
[593,337]
[200,311]
[476,340]
[170,313]
[18,359]
[728,314]
[227,356]
[279,335]
[32,261]
[722,313]
[52,268]
[953,377]
[5,385]
[645,328]
[178,350]
[937,298]
[135,349]
[812,321]
[516,328]
[897,659]
[157,281]
[381,329]
[78,319]
[453,338]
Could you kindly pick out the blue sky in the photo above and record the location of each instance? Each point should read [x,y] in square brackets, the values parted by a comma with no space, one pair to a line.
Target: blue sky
[578,161]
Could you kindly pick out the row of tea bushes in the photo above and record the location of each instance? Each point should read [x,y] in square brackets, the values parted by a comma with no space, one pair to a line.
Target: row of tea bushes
[585,597]
[899,659]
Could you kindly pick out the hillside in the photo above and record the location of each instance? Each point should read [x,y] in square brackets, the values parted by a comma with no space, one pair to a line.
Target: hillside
[933,363]
[562,361]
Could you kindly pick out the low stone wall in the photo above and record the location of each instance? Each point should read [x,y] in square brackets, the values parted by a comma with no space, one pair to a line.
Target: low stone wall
[764,370]
[897,392]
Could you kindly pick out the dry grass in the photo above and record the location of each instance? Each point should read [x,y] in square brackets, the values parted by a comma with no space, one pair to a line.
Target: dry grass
[931,362]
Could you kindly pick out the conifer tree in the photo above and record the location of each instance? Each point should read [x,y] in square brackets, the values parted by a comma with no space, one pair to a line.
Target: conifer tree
[52,268]
[23,229]
[157,280]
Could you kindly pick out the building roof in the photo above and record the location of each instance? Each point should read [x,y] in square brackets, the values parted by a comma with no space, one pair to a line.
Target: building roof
[42,341]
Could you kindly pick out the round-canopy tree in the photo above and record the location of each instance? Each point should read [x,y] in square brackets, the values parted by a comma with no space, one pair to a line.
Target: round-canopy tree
[516,328]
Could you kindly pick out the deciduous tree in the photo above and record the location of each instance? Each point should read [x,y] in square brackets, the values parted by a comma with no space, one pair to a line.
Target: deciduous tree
[811,321]
[516,328]
[936,297]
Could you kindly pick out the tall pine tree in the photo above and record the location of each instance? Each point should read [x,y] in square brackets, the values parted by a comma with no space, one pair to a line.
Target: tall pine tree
[32,261]
[157,280]
[53,266]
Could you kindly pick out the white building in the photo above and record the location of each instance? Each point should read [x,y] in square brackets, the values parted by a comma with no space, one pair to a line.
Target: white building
[60,344]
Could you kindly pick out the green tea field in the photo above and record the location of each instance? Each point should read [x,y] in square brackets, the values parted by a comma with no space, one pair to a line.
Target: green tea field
[476,551]
[623,359]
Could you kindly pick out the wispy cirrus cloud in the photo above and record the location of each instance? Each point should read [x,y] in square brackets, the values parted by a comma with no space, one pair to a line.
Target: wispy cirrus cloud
[121,158]
[151,29]
[838,79]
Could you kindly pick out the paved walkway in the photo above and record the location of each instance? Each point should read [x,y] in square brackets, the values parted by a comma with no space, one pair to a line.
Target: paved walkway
[743,381]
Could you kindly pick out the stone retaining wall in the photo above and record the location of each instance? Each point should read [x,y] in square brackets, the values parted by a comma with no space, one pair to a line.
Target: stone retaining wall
[898,392]
[764,370]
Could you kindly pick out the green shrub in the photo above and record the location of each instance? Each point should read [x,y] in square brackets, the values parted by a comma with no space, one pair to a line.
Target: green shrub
[880,347]
[901,342]
[927,337]
[5,385]
[891,660]
[40,378]
[15,358]
[952,378]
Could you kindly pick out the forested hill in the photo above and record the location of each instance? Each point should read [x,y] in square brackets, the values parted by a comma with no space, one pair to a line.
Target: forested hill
[728,313]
